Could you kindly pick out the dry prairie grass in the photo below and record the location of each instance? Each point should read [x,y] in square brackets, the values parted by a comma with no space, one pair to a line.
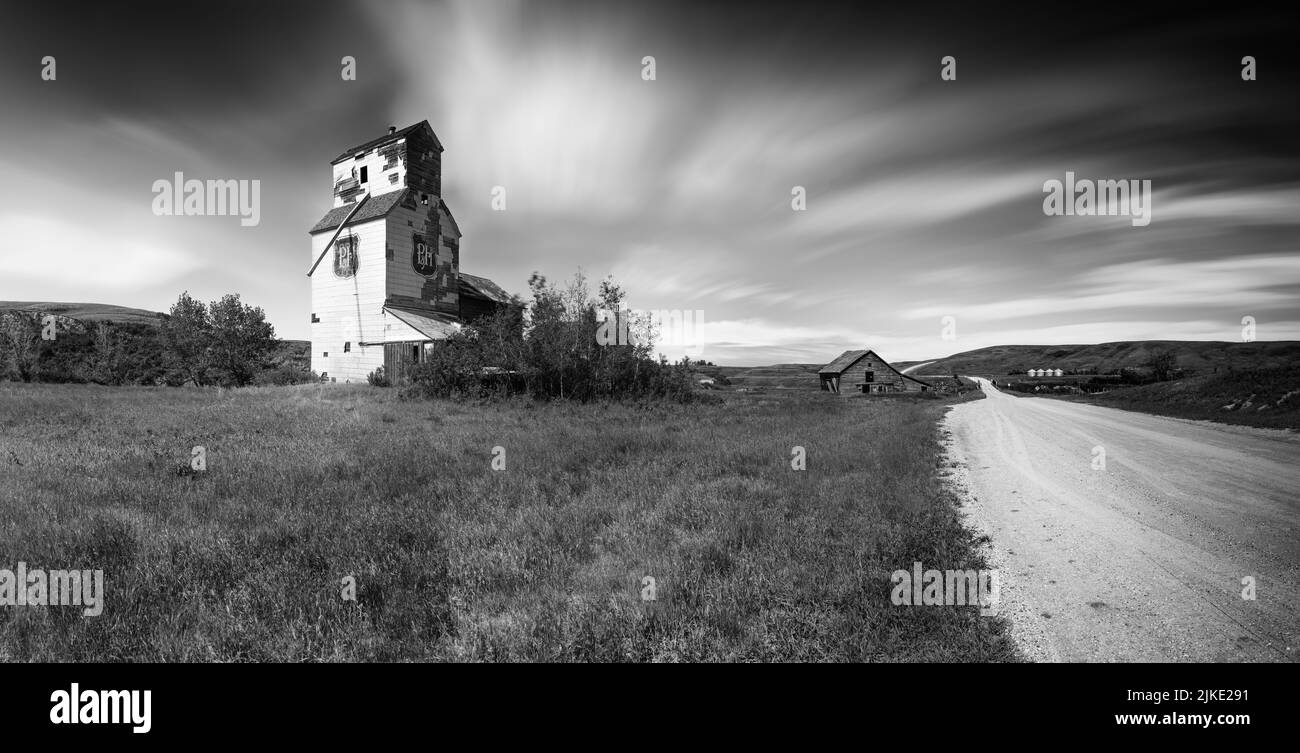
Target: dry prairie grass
[457,562]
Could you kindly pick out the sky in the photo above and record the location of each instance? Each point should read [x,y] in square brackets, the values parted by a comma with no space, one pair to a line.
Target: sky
[922,232]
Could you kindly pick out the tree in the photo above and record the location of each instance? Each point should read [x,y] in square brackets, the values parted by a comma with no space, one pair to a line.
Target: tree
[185,336]
[500,335]
[1163,364]
[241,341]
[107,367]
[19,342]
[225,343]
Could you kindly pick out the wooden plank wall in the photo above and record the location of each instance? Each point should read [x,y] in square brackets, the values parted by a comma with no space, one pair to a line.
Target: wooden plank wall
[405,222]
[349,309]
[855,375]
[397,357]
[423,163]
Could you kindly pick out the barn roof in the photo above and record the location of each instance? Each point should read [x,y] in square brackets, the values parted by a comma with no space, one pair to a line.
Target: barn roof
[482,287]
[850,357]
[846,359]
[387,137]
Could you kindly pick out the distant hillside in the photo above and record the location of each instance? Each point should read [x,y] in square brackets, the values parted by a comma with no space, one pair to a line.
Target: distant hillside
[1194,357]
[293,354]
[87,312]
[780,376]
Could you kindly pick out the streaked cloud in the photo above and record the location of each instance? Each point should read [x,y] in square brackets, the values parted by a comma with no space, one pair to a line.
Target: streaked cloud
[924,198]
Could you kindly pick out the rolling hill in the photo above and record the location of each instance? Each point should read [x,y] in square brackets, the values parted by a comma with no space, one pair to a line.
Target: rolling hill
[87,312]
[1192,356]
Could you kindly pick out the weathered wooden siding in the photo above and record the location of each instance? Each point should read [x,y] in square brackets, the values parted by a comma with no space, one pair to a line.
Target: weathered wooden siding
[423,168]
[386,171]
[882,374]
[396,330]
[430,223]
[413,161]
[347,308]
[398,357]
[472,308]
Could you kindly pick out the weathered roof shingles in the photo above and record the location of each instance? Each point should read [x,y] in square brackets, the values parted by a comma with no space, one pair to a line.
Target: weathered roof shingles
[371,144]
[426,321]
[376,206]
[483,288]
[845,360]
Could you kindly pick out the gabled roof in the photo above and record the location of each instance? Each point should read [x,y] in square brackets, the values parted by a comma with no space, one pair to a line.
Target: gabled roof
[482,287]
[850,357]
[846,359]
[376,207]
[400,134]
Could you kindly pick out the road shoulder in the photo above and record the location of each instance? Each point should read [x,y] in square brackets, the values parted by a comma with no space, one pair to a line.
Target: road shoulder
[1028,629]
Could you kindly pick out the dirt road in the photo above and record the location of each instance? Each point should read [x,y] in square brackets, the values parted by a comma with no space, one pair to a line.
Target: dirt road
[1142,560]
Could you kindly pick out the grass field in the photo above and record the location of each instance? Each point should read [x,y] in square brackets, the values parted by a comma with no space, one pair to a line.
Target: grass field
[455,561]
[794,376]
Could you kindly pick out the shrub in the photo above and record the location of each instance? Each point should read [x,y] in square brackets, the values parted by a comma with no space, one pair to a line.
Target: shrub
[550,349]
[283,375]
[226,343]
[377,378]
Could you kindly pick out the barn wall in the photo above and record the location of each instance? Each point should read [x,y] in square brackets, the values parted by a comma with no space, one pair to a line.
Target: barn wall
[431,223]
[855,375]
[335,302]
[399,357]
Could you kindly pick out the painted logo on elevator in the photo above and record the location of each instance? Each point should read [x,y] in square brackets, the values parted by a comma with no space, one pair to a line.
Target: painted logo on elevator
[424,256]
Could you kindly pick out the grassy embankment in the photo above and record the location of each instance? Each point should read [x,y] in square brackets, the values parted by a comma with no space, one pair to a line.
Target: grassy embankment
[455,561]
[1267,398]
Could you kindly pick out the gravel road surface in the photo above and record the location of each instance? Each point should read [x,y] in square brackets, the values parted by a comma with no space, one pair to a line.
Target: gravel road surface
[1142,560]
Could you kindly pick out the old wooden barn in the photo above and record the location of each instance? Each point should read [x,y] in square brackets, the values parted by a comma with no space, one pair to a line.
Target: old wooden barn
[386,283]
[864,371]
